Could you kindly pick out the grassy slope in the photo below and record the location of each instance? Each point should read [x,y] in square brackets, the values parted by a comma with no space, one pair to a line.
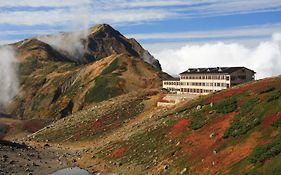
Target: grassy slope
[53,90]
[231,133]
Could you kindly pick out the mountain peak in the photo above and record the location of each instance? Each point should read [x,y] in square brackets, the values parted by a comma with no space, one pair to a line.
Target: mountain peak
[101,28]
[103,40]
[98,42]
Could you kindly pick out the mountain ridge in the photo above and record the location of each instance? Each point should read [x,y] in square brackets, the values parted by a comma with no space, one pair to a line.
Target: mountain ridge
[61,74]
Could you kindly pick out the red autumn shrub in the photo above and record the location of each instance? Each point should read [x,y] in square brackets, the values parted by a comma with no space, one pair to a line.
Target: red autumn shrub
[179,126]
[118,152]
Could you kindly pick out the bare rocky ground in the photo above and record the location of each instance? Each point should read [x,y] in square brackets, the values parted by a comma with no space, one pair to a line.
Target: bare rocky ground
[20,159]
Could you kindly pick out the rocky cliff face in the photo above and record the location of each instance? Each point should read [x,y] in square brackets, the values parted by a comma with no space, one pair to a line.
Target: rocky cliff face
[98,42]
[103,41]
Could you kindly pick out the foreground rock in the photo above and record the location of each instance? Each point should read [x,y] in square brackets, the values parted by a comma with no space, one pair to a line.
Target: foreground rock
[22,159]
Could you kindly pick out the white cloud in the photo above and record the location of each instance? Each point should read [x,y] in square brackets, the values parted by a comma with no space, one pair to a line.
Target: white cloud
[149,3]
[66,17]
[8,75]
[132,16]
[65,12]
[70,43]
[53,17]
[3,42]
[265,58]
[43,3]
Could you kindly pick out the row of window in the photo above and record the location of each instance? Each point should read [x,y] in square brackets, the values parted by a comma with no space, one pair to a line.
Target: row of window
[197,90]
[189,90]
[209,84]
[173,89]
[205,77]
[177,83]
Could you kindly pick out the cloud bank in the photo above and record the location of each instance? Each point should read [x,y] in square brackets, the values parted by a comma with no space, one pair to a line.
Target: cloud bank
[65,12]
[70,43]
[8,75]
[265,58]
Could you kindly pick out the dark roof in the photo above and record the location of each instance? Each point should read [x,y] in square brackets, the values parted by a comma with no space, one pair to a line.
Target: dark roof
[212,70]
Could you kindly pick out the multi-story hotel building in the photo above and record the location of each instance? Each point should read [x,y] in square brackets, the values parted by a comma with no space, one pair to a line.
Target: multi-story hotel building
[207,80]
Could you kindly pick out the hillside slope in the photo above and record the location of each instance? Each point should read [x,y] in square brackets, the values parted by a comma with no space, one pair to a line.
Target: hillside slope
[235,131]
[60,75]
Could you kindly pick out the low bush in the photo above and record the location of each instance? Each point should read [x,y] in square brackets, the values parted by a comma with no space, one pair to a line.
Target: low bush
[253,172]
[277,123]
[275,95]
[239,127]
[226,106]
[197,121]
[264,152]
[249,105]
[111,67]
[275,171]
[105,88]
[267,90]
[29,65]
[245,120]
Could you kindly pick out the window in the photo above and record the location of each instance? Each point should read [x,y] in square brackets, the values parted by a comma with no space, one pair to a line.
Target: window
[227,78]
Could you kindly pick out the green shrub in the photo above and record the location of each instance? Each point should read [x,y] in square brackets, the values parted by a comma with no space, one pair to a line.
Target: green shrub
[275,95]
[275,171]
[105,88]
[226,106]
[28,66]
[253,172]
[239,127]
[263,152]
[249,105]
[111,67]
[277,123]
[267,90]
[197,121]
[245,120]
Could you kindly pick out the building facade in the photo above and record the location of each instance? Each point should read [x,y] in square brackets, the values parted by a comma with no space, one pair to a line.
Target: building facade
[207,80]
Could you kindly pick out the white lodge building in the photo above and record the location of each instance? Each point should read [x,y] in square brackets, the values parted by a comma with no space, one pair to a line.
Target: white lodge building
[207,80]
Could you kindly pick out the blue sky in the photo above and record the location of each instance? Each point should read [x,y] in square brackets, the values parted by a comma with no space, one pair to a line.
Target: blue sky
[21,19]
[159,25]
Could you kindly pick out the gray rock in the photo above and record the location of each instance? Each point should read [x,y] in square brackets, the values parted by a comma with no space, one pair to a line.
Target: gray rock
[183,171]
